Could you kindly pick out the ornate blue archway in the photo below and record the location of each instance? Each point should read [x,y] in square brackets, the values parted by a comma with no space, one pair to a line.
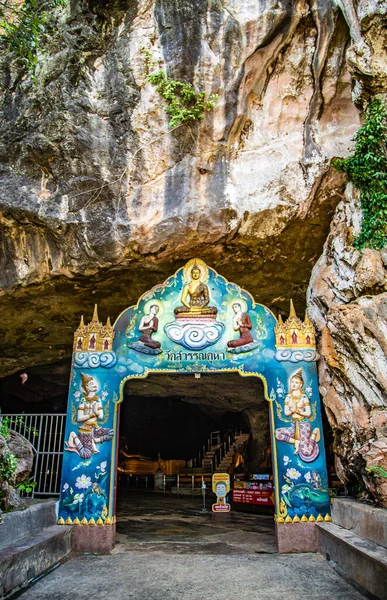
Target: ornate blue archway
[195,322]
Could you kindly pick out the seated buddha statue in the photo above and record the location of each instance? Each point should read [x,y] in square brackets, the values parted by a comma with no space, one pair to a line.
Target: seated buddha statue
[195,297]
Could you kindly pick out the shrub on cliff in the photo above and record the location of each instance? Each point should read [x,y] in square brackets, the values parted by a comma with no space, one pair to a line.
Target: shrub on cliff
[367,170]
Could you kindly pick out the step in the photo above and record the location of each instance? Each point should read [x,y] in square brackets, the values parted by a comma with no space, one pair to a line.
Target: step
[23,561]
[364,520]
[20,524]
[355,557]
[226,461]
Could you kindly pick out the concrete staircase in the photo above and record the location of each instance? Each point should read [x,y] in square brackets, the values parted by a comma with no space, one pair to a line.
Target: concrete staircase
[31,543]
[208,458]
[227,459]
[355,544]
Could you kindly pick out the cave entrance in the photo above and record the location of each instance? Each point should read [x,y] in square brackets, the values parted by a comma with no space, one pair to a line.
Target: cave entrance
[175,431]
[193,327]
[179,416]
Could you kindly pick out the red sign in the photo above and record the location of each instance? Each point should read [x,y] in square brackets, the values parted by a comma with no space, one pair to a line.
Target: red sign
[253,497]
[221,507]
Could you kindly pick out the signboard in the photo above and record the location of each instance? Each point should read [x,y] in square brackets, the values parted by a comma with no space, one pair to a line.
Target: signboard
[220,487]
[263,497]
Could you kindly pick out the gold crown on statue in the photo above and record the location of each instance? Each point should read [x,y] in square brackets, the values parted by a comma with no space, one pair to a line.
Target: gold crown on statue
[294,333]
[94,337]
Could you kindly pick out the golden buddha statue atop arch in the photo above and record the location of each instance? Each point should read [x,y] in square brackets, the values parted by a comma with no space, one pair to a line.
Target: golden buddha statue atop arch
[195,296]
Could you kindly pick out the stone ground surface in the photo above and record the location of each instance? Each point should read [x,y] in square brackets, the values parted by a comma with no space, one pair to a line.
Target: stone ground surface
[167,550]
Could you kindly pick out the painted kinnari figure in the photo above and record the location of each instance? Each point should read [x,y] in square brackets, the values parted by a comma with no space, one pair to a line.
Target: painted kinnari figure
[89,410]
[300,434]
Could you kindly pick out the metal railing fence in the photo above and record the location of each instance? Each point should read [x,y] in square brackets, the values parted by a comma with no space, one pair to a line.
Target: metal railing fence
[45,433]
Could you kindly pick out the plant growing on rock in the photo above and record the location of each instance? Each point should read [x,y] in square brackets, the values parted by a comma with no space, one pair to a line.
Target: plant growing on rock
[367,170]
[183,103]
[22,24]
[7,466]
[15,464]
[377,471]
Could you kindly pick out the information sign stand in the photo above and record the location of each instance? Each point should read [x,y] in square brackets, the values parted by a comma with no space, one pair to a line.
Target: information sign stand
[221,486]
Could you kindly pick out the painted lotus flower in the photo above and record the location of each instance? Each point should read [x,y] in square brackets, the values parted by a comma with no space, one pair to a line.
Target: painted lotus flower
[83,482]
[102,466]
[65,487]
[308,476]
[292,473]
[78,498]
[287,460]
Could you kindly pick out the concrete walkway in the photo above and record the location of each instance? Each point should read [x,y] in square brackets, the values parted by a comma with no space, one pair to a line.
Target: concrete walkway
[167,550]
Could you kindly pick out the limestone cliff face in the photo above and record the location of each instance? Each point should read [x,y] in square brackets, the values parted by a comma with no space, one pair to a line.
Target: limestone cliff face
[347,300]
[100,200]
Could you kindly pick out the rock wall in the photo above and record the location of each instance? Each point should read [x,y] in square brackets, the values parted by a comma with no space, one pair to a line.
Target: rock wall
[100,200]
[347,301]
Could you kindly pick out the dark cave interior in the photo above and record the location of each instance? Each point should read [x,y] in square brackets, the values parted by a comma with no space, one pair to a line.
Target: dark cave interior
[168,414]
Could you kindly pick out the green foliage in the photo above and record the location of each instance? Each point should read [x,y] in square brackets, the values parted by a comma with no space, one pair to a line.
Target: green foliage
[8,466]
[149,62]
[5,423]
[22,26]
[27,486]
[367,169]
[377,471]
[183,103]
[4,426]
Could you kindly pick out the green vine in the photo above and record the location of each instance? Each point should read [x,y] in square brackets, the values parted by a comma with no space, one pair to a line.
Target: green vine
[183,103]
[377,471]
[9,463]
[367,170]
[22,24]
[5,423]
[8,466]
